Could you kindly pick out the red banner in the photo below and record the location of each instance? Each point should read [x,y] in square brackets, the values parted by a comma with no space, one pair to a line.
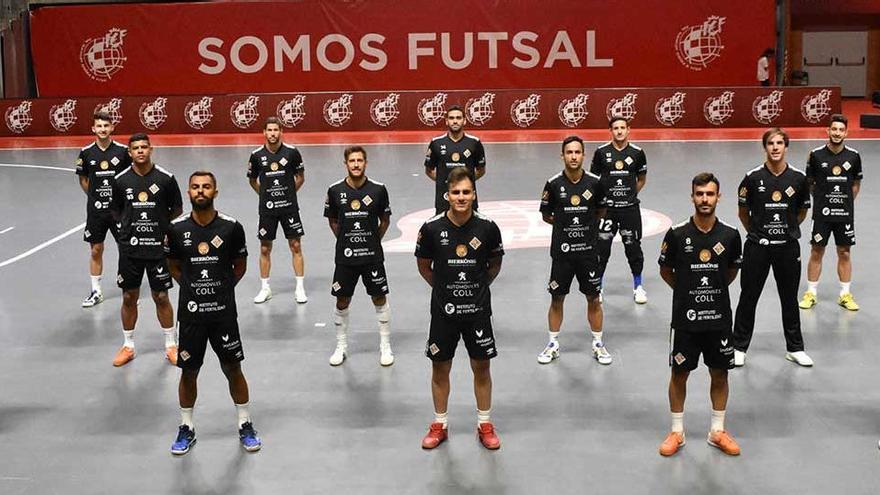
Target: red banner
[419,110]
[389,45]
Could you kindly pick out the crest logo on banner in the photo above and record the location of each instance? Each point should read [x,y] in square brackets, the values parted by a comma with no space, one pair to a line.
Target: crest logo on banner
[112,107]
[765,109]
[432,110]
[480,110]
[291,112]
[525,112]
[383,111]
[198,113]
[697,46]
[18,117]
[573,111]
[718,109]
[152,114]
[338,111]
[244,112]
[624,107]
[102,57]
[63,116]
[814,107]
[668,111]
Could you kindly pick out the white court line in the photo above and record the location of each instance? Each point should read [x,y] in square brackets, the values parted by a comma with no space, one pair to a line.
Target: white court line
[46,167]
[7,229]
[43,245]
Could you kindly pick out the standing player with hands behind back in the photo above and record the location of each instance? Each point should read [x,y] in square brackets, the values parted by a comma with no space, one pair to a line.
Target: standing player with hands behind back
[453,149]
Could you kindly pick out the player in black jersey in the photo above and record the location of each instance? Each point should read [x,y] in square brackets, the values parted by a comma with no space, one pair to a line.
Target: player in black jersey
[145,199]
[359,213]
[699,258]
[459,255]
[624,171]
[207,255]
[453,149]
[773,201]
[276,172]
[96,166]
[574,202]
[835,175]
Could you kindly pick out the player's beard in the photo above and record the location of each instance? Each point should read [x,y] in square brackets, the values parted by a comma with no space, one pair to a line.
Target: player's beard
[206,205]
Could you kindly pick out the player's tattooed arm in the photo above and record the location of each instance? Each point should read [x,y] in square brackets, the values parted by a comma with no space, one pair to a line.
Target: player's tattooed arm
[384,223]
[640,182]
[426,270]
[334,226]
[239,267]
[494,268]
[84,183]
[743,214]
[255,184]
[667,273]
[299,179]
[175,269]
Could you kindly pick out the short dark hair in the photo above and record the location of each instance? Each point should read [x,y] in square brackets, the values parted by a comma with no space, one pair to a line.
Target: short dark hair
[138,136]
[704,178]
[773,131]
[102,115]
[572,139]
[615,118]
[454,108]
[355,149]
[839,117]
[203,173]
[459,174]
[271,120]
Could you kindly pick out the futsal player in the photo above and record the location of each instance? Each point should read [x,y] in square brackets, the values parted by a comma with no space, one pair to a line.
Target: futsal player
[459,255]
[453,149]
[358,212]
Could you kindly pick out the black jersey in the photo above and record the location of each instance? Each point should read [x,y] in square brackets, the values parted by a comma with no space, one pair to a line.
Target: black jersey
[358,212]
[461,256]
[444,154]
[206,253]
[701,260]
[774,203]
[101,167]
[620,170]
[832,176]
[573,208]
[276,173]
[144,205]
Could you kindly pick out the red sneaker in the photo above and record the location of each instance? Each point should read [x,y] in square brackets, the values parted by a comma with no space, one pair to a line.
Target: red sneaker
[487,436]
[123,356]
[171,355]
[724,442]
[673,442]
[437,434]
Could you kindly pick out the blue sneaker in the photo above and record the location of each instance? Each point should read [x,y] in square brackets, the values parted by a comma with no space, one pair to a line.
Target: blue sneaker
[249,439]
[186,438]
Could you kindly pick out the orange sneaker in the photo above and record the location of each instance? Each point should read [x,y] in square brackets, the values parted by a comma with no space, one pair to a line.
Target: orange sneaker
[437,434]
[673,442]
[487,436]
[123,356]
[724,442]
[171,355]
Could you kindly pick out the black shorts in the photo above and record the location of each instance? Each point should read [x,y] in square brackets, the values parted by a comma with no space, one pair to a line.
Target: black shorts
[290,223]
[716,347]
[131,272]
[844,233]
[345,278]
[97,225]
[193,340]
[445,332]
[627,221]
[586,269]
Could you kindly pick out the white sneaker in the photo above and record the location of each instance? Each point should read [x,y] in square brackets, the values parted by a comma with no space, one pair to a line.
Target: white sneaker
[739,358]
[338,355]
[96,297]
[386,357]
[300,295]
[601,353]
[799,357]
[639,295]
[549,353]
[264,295]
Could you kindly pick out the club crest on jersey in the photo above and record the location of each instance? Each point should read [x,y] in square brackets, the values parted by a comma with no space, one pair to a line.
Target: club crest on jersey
[668,111]
[384,111]
[705,255]
[432,110]
[836,170]
[368,200]
[575,200]
[624,107]
[217,241]
[697,46]
[104,165]
[765,109]
[480,110]
[102,57]
[197,114]
[245,112]
[815,107]
[619,165]
[718,109]
[63,116]
[291,112]
[789,191]
[355,204]
[461,250]
[338,111]
[455,156]
[203,248]
[154,188]
[718,248]
[143,196]
[152,114]
[776,196]
[112,108]
[525,112]
[18,117]
[475,243]
[573,111]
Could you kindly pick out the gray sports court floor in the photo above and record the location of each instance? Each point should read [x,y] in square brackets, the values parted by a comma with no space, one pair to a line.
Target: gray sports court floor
[71,423]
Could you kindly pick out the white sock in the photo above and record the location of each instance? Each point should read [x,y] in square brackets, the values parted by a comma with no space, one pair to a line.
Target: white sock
[678,421]
[96,283]
[383,316]
[129,338]
[186,417]
[340,320]
[243,415]
[597,336]
[844,287]
[441,418]
[717,421]
[170,338]
[264,283]
[554,336]
[482,417]
[299,283]
[813,287]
